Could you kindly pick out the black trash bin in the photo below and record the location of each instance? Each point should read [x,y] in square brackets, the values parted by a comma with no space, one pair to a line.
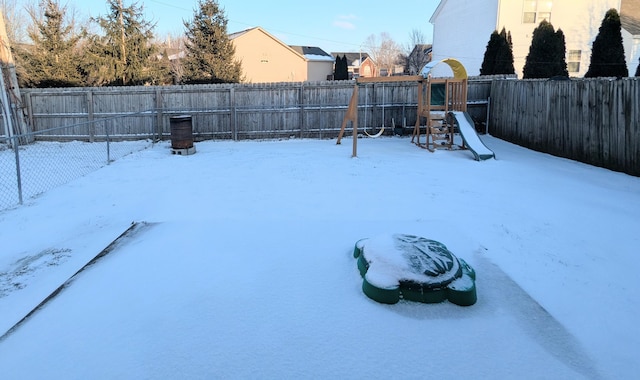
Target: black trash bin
[181,132]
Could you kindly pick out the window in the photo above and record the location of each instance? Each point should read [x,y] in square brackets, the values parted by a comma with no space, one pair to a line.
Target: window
[573,60]
[534,11]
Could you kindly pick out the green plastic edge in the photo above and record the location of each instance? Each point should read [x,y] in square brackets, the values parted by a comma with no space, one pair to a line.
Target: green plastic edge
[466,296]
[461,297]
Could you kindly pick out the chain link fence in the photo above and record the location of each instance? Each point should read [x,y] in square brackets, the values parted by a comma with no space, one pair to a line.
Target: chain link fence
[60,155]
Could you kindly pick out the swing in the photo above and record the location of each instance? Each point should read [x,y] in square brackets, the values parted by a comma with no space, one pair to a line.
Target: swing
[366,97]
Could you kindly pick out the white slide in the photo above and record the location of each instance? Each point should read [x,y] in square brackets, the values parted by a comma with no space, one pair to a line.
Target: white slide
[470,137]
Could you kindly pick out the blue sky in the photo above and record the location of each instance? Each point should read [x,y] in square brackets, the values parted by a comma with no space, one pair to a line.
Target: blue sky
[333,25]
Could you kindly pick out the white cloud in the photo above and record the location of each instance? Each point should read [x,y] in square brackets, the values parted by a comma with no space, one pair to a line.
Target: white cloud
[344,22]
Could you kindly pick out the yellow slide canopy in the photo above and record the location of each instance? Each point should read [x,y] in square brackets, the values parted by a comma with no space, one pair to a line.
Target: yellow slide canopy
[459,72]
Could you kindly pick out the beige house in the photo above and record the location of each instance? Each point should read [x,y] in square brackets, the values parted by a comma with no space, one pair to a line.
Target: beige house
[462,29]
[267,59]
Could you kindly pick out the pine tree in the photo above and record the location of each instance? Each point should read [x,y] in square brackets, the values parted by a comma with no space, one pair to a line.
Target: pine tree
[345,67]
[559,57]
[504,56]
[209,51]
[341,69]
[498,57]
[53,59]
[638,69]
[546,56]
[124,54]
[607,53]
[489,61]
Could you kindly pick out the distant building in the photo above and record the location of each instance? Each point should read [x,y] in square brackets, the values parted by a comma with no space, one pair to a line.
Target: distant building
[368,68]
[267,59]
[354,61]
[419,56]
[462,29]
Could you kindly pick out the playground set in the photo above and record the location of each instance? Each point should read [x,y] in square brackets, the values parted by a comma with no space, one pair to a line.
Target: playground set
[442,102]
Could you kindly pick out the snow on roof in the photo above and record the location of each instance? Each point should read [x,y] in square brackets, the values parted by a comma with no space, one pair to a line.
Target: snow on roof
[313,53]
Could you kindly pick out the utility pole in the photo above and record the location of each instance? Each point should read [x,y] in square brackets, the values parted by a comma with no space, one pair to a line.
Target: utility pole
[8,70]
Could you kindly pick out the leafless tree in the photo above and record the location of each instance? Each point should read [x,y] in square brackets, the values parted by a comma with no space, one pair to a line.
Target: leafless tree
[384,51]
[173,47]
[416,52]
[15,18]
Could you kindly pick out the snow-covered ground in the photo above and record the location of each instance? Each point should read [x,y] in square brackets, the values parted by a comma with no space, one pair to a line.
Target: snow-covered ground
[242,266]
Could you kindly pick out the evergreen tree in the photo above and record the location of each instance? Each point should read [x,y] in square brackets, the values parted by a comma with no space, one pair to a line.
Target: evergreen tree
[607,53]
[53,59]
[489,61]
[124,54]
[546,56]
[161,69]
[498,57]
[504,56]
[638,69]
[345,68]
[209,51]
[341,69]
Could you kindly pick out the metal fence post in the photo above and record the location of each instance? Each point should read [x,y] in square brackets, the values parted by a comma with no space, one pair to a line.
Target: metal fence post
[106,132]
[18,176]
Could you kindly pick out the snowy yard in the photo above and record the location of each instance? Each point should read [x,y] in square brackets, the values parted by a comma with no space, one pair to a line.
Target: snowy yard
[242,266]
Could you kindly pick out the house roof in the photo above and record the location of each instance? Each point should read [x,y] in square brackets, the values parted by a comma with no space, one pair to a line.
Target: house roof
[630,16]
[308,53]
[425,48]
[352,57]
[436,13]
[242,32]
[312,53]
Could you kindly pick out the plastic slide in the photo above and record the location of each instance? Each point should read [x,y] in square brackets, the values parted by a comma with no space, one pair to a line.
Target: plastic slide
[470,137]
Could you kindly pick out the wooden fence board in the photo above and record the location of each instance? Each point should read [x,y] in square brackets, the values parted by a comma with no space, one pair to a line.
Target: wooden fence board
[309,109]
[595,121]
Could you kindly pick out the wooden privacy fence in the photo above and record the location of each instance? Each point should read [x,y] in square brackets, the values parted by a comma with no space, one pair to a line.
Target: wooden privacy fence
[228,111]
[595,121]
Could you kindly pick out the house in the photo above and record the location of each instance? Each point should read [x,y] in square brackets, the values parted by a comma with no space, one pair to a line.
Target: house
[630,20]
[267,59]
[354,61]
[461,29]
[368,68]
[319,63]
[419,56]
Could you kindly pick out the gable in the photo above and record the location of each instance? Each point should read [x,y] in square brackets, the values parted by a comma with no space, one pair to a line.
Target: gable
[438,10]
[352,57]
[630,16]
[260,41]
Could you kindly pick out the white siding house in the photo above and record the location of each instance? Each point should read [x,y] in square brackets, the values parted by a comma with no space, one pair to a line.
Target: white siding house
[462,29]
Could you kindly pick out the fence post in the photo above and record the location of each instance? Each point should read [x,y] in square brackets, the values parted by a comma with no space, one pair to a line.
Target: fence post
[106,132]
[92,127]
[159,115]
[301,103]
[232,117]
[16,149]
[29,111]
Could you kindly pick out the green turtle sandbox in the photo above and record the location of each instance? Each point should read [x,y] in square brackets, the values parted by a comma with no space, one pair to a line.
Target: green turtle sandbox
[413,268]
